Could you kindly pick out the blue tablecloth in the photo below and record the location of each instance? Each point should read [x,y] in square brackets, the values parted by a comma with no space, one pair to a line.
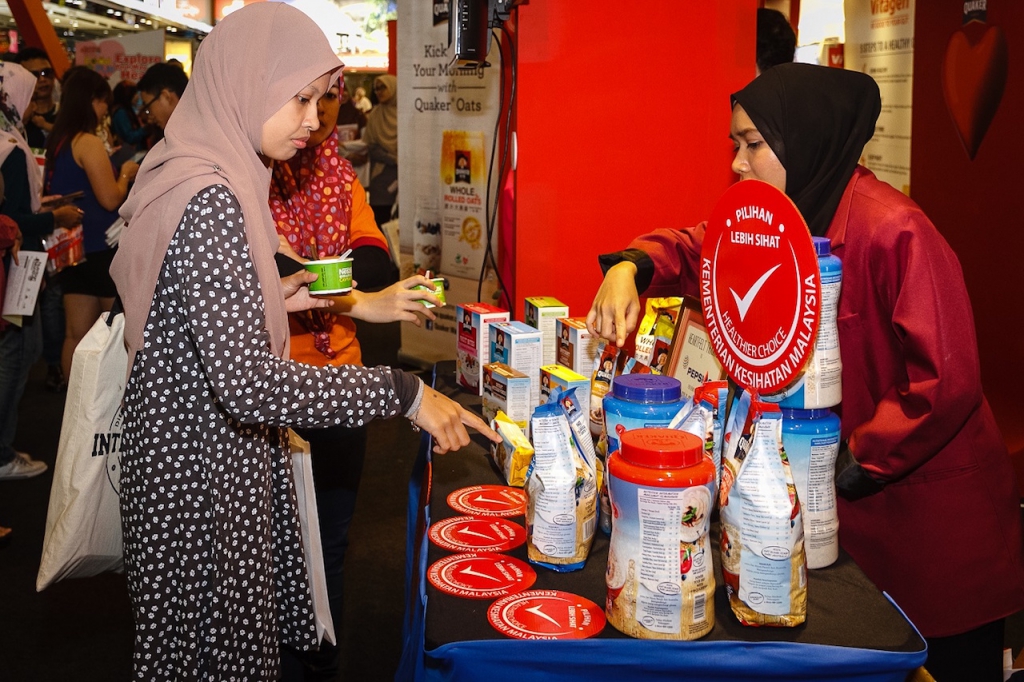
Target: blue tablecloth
[853,632]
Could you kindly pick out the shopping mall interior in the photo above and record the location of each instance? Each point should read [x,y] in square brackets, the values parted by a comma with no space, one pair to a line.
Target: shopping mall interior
[581,126]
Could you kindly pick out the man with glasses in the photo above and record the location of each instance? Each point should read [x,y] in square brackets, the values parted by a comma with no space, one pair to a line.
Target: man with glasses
[160,88]
[43,111]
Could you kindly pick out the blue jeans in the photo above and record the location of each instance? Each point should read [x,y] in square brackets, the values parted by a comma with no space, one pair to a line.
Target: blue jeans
[19,350]
[51,305]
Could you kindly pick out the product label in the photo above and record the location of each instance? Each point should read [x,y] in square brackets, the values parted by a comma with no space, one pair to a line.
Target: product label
[577,349]
[474,345]
[507,391]
[823,379]
[519,350]
[543,317]
[659,575]
[552,495]
[766,530]
[812,461]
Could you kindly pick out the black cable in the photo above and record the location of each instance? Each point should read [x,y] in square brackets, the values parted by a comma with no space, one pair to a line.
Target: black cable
[490,173]
[491,214]
[504,152]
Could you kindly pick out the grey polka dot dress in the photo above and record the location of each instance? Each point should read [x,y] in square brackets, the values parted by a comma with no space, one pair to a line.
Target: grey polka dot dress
[212,547]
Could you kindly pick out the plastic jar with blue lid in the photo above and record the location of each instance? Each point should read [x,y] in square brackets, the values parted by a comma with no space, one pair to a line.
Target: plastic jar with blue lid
[811,440]
[640,401]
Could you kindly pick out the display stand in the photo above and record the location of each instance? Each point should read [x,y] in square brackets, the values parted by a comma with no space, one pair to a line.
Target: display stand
[853,631]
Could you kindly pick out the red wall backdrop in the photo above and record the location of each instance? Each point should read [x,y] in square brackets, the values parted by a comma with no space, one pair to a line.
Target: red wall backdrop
[622,122]
[977,204]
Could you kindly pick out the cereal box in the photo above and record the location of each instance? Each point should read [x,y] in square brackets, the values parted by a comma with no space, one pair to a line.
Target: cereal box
[518,345]
[508,391]
[541,313]
[473,344]
[577,348]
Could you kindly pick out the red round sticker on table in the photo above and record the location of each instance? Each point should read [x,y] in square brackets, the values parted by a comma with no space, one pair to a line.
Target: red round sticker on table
[481,575]
[474,534]
[488,500]
[760,287]
[546,614]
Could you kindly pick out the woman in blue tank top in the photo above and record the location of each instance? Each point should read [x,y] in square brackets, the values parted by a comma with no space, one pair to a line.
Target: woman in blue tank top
[76,161]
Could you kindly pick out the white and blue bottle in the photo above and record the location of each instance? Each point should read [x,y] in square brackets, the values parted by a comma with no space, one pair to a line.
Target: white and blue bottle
[821,384]
[811,441]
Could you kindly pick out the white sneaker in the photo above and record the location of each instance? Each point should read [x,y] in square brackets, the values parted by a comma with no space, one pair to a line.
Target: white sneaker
[22,466]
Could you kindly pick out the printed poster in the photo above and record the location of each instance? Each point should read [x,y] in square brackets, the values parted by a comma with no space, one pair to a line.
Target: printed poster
[446,117]
[125,58]
[880,43]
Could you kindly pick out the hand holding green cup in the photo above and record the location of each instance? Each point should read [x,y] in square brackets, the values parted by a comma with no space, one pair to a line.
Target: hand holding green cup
[438,291]
[334,276]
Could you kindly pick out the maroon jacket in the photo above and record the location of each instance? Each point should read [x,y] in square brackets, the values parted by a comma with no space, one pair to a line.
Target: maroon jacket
[943,537]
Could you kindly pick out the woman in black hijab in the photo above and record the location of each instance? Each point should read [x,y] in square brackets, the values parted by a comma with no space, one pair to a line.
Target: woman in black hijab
[919,438]
[817,123]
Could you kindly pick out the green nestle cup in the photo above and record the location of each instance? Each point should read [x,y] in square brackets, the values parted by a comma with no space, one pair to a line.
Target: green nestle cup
[437,291]
[333,276]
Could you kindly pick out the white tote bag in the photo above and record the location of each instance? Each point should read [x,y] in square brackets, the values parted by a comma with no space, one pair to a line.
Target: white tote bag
[83,521]
[309,523]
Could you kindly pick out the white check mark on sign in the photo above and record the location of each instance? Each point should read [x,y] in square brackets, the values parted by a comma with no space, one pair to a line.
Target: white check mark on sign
[743,303]
[536,610]
[466,531]
[469,571]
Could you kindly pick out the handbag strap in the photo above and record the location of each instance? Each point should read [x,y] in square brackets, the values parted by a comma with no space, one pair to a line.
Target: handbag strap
[115,310]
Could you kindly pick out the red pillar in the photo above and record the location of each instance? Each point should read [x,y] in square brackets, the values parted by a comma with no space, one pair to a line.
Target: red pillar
[37,31]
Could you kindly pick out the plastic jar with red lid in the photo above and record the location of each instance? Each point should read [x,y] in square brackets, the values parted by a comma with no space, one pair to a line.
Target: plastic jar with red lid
[660,577]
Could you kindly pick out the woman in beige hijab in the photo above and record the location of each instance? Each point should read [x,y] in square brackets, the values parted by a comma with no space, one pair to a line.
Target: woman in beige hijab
[214,561]
[381,138]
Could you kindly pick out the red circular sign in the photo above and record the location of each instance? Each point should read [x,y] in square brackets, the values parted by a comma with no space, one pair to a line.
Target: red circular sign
[481,575]
[760,287]
[546,614]
[474,534]
[488,500]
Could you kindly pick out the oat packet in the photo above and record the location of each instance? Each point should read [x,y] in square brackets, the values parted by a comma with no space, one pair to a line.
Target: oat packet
[655,331]
[762,539]
[600,384]
[514,453]
[561,486]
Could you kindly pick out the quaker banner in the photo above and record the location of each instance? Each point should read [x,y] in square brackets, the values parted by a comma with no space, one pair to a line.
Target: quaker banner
[880,43]
[760,287]
[121,59]
[446,121]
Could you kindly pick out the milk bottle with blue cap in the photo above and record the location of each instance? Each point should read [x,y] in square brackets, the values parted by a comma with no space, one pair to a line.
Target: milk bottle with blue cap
[821,384]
